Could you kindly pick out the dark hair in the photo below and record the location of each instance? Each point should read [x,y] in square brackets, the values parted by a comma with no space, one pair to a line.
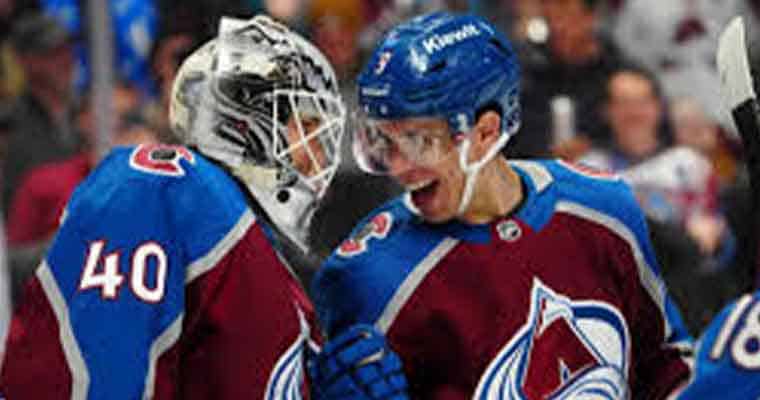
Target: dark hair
[132,118]
[664,126]
[648,75]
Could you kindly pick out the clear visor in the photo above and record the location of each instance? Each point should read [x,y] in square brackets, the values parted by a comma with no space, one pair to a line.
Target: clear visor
[380,146]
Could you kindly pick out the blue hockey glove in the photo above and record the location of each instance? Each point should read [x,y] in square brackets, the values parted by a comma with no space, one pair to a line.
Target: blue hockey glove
[358,364]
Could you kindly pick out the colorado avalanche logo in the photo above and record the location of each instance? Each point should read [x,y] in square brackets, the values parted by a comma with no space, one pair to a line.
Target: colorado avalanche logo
[286,381]
[378,228]
[566,350]
[160,159]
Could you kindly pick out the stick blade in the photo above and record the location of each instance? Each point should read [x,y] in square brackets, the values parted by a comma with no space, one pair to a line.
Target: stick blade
[733,65]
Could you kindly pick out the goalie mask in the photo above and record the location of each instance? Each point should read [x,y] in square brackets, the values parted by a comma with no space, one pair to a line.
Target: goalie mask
[264,102]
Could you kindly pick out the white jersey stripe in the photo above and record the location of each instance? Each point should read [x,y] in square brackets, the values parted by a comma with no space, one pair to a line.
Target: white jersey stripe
[212,258]
[202,265]
[411,282]
[286,378]
[540,176]
[159,347]
[652,284]
[80,376]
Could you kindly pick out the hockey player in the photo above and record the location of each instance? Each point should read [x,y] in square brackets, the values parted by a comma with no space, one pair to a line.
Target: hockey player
[164,280]
[493,279]
[728,355]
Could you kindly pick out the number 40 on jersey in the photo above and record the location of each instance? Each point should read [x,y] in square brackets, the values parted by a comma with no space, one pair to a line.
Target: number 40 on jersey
[102,271]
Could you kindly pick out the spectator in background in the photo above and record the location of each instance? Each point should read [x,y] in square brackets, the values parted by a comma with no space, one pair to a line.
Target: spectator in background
[577,59]
[336,25]
[44,191]
[676,40]
[199,16]
[382,15]
[695,128]
[11,78]
[133,24]
[290,12]
[633,111]
[42,128]
[168,53]
[674,185]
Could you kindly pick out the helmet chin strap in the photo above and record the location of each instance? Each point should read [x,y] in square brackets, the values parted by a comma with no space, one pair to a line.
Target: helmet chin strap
[471,171]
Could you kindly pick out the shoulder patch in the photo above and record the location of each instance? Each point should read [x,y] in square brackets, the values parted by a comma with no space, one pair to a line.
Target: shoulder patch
[160,159]
[378,227]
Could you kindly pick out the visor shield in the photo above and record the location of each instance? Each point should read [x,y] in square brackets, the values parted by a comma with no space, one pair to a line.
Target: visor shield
[378,144]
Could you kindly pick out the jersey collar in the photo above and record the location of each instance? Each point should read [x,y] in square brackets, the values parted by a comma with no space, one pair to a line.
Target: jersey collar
[533,211]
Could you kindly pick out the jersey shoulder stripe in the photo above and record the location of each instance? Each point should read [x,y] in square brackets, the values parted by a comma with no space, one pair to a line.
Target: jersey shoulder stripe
[606,200]
[130,242]
[384,248]
[550,182]
[118,200]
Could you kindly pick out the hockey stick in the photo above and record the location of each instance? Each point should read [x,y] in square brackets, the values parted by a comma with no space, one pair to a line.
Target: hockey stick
[739,94]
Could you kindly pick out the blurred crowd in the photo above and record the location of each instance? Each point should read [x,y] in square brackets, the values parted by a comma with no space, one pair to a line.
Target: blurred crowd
[628,86]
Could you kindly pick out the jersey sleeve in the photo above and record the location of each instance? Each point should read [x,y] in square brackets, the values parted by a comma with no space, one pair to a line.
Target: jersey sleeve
[728,355]
[159,287]
[249,327]
[661,341]
[335,292]
[358,280]
[107,298]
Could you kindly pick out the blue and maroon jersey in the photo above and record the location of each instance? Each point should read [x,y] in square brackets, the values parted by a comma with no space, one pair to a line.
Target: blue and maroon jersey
[728,355]
[562,298]
[160,284]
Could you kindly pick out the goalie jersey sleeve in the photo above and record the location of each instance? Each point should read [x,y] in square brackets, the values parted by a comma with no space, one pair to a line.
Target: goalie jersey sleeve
[561,299]
[160,284]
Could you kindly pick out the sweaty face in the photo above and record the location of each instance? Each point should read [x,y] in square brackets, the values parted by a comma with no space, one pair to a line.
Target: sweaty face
[422,156]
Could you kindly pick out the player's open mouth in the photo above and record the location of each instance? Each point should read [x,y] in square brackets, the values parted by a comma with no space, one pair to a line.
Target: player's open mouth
[422,192]
[413,187]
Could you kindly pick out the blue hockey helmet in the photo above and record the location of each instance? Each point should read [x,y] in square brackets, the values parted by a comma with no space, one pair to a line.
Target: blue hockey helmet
[443,65]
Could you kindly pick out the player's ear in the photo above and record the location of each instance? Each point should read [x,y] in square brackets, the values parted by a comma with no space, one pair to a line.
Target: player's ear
[486,132]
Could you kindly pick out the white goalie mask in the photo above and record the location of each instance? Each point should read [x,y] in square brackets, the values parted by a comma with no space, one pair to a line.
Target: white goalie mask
[264,102]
